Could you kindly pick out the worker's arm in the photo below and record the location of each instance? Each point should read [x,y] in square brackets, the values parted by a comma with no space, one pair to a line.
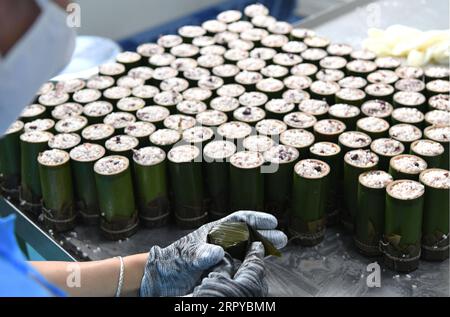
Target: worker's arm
[16,17]
[97,278]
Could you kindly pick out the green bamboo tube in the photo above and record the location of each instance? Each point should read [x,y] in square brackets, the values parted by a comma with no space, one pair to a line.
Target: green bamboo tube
[436,72]
[439,102]
[66,110]
[307,213]
[405,133]
[313,55]
[185,170]
[350,96]
[179,122]
[52,99]
[376,128]
[272,87]
[40,125]
[119,121]
[430,151]
[151,186]
[324,90]
[300,120]
[64,141]
[217,170]
[356,162]
[258,143]
[234,131]
[403,225]
[386,149]
[165,139]
[129,59]
[246,181]
[83,158]
[146,92]
[249,115]
[71,125]
[114,94]
[130,104]
[226,105]
[97,133]
[280,161]
[58,204]
[440,134]
[153,114]
[114,70]
[299,139]
[169,100]
[198,136]
[278,108]
[369,220]
[328,130]
[121,145]
[141,130]
[379,91]
[345,113]
[361,68]
[271,127]
[31,144]
[32,112]
[96,111]
[435,227]
[330,153]
[377,108]
[438,86]
[437,117]
[10,160]
[410,99]
[211,118]
[353,140]
[406,166]
[114,187]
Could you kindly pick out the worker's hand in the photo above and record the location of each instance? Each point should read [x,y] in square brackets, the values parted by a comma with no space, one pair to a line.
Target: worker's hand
[249,280]
[176,269]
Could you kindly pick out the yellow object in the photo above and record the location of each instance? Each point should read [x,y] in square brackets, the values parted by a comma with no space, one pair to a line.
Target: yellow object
[418,47]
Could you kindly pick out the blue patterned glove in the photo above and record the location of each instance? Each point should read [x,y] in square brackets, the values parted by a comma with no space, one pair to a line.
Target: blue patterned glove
[178,268]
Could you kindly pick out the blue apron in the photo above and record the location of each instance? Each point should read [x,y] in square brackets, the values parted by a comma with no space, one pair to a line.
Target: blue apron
[17,277]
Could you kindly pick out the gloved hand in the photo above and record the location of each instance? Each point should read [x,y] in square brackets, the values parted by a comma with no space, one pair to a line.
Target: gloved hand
[176,269]
[248,281]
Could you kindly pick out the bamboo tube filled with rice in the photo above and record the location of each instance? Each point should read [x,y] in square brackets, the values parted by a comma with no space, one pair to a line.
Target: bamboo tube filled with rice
[440,134]
[299,139]
[114,187]
[140,130]
[217,173]
[31,144]
[345,113]
[430,151]
[328,130]
[356,162]
[307,212]
[64,141]
[435,227]
[83,158]
[330,153]
[97,133]
[185,170]
[374,127]
[386,149]
[153,114]
[58,203]
[280,161]
[403,225]
[151,186]
[369,220]
[10,160]
[406,166]
[246,181]
[121,145]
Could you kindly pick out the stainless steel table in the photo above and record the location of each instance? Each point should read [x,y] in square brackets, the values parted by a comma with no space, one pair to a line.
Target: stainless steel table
[332,268]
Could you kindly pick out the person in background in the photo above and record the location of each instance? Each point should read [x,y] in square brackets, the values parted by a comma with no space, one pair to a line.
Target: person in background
[35,44]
